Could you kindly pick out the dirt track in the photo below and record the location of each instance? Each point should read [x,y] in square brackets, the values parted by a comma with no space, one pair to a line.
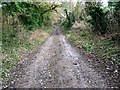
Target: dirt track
[56,64]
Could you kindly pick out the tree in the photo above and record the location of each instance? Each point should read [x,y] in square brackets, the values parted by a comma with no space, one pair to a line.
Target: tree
[98,17]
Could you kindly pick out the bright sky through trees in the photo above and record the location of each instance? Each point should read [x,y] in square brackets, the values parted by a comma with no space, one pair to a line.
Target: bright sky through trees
[105,2]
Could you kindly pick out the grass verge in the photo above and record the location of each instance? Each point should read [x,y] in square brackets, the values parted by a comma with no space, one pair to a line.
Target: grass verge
[85,39]
[11,55]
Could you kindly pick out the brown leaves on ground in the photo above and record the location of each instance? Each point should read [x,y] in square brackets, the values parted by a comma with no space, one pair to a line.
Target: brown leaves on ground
[37,34]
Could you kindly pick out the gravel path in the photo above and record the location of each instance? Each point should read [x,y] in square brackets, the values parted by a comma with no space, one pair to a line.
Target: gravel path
[56,64]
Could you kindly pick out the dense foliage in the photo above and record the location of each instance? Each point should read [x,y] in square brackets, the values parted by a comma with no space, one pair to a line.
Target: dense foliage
[98,19]
[29,15]
[103,19]
[70,19]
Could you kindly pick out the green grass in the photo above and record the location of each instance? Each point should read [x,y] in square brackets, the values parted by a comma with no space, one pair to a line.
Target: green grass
[12,54]
[91,43]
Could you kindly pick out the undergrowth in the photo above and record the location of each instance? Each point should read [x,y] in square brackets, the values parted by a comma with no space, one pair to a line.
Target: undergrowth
[91,43]
[11,55]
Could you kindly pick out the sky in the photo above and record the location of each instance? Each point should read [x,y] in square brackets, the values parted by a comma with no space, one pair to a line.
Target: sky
[105,2]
